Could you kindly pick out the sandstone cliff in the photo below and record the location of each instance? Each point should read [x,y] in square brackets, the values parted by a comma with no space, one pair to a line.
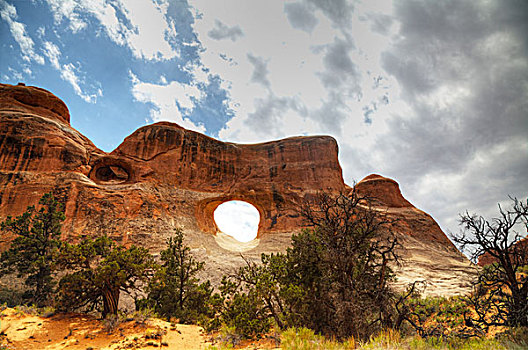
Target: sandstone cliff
[163,176]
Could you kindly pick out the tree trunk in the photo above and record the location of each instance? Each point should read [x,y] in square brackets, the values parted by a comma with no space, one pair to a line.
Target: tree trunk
[110,301]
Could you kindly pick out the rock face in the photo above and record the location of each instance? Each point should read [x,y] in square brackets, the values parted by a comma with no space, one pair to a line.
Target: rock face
[163,176]
[273,176]
[409,221]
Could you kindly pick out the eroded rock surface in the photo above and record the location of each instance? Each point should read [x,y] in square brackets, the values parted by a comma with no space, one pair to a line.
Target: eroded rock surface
[163,176]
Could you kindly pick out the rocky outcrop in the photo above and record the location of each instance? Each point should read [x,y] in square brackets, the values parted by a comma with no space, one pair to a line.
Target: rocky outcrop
[382,191]
[38,147]
[408,220]
[164,176]
[33,100]
[427,254]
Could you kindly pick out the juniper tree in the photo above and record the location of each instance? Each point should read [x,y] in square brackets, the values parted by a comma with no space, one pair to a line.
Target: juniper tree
[175,290]
[33,250]
[343,265]
[99,270]
[335,277]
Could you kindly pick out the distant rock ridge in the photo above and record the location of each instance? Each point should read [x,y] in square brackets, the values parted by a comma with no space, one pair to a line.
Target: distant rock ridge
[163,176]
[487,258]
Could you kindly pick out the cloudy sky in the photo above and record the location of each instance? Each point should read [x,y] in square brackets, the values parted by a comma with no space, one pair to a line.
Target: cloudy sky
[433,94]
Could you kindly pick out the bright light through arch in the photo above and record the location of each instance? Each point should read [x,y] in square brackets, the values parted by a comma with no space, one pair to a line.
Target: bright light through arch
[238,219]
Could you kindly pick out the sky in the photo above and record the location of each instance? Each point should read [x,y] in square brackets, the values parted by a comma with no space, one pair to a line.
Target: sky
[245,227]
[433,94]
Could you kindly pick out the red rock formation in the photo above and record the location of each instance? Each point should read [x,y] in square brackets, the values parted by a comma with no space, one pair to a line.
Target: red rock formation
[36,141]
[409,221]
[384,191]
[33,100]
[163,176]
[273,176]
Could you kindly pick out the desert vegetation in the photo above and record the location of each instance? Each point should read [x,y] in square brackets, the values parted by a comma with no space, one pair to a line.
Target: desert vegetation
[330,290]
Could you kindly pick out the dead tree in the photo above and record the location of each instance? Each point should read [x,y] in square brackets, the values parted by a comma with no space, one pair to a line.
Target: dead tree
[501,288]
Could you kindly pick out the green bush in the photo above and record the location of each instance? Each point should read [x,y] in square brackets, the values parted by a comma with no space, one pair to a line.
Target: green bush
[243,311]
[334,279]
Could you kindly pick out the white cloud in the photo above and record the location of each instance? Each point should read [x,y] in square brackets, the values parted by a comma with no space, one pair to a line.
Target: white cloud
[69,73]
[142,26]
[172,101]
[432,94]
[68,9]
[300,16]
[41,32]
[18,31]
[269,53]
[52,52]
[298,71]
[415,90]
[222,31]
[15,75]
[151,31]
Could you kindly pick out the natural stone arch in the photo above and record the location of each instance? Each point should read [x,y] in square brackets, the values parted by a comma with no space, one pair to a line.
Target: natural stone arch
[112,170]
[205,212]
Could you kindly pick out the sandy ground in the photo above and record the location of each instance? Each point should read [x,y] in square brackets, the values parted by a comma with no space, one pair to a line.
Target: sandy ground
[79,331]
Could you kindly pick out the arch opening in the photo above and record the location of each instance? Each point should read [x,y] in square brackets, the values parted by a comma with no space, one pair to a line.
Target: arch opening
[237,219]
[111,174]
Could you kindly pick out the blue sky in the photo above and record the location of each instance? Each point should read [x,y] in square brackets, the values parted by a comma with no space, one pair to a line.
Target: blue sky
[431,93]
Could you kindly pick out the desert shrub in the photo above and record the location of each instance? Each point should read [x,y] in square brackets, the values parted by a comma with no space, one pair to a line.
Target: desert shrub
[110,323]
[418,343]
[243,311]
[26,309]
[47,311]
[441,317]
[333,279]
[229,336]
[515,338]
[141,316]
[264,286]
[305,339]
[386,339]
[341,268]
[220,346]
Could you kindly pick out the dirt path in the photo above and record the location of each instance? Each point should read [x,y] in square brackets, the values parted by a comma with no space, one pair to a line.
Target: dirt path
[79,331]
